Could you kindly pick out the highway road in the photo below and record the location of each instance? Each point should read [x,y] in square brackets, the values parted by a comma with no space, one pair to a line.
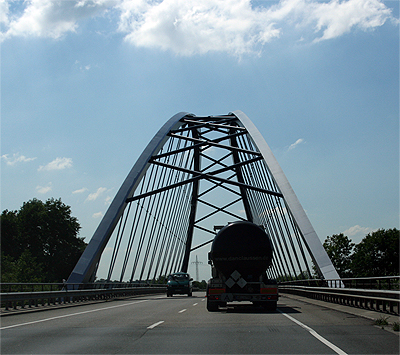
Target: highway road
[181,325]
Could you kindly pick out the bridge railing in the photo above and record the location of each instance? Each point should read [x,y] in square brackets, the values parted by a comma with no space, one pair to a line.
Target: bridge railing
[372,283]
[32,287]
[375,293]
[17,296]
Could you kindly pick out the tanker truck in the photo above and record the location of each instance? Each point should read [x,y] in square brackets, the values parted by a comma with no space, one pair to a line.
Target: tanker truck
[240,254]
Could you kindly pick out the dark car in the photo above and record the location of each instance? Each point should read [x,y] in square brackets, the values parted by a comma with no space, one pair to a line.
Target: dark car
[179,283]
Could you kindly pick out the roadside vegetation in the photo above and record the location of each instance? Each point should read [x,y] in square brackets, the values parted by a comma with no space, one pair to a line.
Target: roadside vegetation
[383,322]
[376,255]
[40,242]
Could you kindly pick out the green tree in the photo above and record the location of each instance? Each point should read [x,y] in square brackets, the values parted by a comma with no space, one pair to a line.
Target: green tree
[10,244]
[200,285]
[377,254]
[339,249]
[50,234]
[24,269]
[8,273]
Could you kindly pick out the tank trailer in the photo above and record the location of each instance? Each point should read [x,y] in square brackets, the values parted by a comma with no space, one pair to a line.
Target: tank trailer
[240,254]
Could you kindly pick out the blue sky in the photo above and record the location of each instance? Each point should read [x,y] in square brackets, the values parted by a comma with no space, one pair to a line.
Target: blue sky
[86,84]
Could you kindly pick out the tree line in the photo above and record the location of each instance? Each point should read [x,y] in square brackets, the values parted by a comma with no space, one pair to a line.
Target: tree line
[376,255]
[40,243]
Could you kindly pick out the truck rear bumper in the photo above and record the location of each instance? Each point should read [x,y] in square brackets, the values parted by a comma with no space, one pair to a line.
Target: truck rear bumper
[240,297]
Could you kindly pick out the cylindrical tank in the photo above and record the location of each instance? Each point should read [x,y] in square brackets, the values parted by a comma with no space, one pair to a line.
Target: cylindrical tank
[243,247]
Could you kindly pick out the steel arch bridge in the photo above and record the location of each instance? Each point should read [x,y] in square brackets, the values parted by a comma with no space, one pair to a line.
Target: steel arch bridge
[196,173]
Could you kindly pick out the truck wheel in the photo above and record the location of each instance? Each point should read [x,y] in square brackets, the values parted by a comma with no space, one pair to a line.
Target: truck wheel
[212,306]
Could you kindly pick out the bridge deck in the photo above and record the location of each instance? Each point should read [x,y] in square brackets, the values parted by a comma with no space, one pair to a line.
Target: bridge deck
[157,324]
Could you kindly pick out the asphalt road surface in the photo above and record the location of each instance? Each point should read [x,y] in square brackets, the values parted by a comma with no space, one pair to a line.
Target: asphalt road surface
[182,325]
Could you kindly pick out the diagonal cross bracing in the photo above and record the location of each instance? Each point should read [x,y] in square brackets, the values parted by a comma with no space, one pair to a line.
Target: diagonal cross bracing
[198,172]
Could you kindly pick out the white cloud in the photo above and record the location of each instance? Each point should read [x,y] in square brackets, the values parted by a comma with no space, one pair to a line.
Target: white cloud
[358,230]
[82,190]
[337,18]
[4,10]
[16,158]
[188,27]
[97,215]
[54,18]
[295,144]
[44,189]
[81,67]
[93,196]
[57,164]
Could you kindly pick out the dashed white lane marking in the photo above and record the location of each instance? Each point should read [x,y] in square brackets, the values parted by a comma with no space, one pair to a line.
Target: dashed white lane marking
[183,310]
[155,324]
[316,335]
[70,315]
[195,304]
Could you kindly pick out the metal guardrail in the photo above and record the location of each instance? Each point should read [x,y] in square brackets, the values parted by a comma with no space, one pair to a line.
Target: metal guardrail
[379,283]
[337,291]
[382,295]
[32,287]
[18,300]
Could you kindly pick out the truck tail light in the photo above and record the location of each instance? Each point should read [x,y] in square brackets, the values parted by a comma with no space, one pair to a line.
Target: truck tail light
[215,293]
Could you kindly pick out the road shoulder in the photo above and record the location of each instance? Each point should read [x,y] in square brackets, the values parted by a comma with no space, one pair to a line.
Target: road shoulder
[364,313]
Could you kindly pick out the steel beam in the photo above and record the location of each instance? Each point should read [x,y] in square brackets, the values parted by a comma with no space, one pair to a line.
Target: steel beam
[193,205]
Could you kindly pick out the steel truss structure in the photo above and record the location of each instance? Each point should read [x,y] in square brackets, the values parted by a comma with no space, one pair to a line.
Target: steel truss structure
[196,173]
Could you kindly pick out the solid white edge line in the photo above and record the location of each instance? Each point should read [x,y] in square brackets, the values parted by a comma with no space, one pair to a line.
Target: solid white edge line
[315,334]
[155,324]
[70,315]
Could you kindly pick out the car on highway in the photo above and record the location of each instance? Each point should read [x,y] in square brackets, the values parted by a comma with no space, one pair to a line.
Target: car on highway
[179,283]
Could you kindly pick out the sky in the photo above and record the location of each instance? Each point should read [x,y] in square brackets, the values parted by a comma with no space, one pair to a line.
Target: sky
[85,85]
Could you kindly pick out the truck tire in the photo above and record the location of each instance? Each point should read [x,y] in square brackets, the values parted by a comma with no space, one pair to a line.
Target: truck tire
[212,306]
